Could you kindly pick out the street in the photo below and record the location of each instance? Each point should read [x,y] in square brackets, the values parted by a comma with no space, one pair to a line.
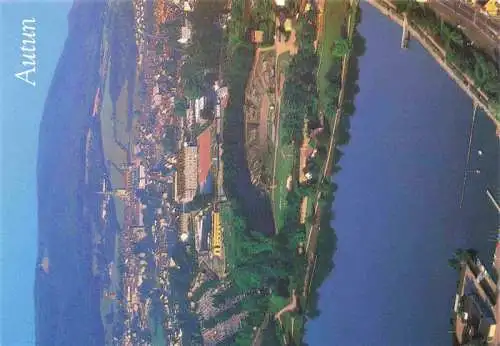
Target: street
[482,29]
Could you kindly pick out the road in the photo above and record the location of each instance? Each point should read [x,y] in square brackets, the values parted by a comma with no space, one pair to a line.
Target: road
[477,25]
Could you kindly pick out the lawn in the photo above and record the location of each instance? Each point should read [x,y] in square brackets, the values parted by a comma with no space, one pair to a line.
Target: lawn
[231,237]
[293,326]
[284,61]
[335,13]
[284,165]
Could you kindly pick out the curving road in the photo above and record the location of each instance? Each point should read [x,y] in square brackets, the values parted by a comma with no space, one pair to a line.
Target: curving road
[481,27]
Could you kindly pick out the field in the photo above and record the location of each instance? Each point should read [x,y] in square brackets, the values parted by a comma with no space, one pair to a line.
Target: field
[283,62]
[335,12]
[293,324]
[284,166]
[230,237]
[115,127]
[285,155]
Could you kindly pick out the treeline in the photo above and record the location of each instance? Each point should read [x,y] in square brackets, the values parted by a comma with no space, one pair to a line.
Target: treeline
[327,239]
[262,18]
[300,96]
[260,267]
[203,54]
[460,50]
[237,182]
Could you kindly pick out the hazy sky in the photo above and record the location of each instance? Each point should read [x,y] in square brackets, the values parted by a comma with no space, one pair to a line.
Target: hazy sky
[21,107]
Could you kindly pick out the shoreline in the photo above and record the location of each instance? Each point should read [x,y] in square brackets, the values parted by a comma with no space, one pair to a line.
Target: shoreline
[433,48]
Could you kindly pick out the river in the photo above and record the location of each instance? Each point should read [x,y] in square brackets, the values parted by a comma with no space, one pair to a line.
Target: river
[398,218]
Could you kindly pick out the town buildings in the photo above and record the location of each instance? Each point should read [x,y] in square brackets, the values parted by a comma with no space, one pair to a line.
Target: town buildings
[475,304]
[204,144]
[186,178]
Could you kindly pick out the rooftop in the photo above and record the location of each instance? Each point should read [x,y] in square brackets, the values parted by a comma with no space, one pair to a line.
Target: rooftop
[204,155]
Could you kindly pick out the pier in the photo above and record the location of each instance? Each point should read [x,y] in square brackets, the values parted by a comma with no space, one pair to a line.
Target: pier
[405,38]
[469,146]
[493,200]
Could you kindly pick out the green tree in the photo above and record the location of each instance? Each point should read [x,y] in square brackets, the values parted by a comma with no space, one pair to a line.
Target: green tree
[450,36]
[180,108]
[277,302]
[496,109]
[170,67]
[297,238]
[244,338]
[193,75]
[341,47]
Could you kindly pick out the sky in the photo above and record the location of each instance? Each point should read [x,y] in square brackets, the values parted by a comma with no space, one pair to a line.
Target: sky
[21,107]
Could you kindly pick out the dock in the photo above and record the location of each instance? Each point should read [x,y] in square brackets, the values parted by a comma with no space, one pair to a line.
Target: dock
[493,200]
[405,37]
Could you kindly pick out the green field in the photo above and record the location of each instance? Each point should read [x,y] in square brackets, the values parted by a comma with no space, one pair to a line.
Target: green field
[284,61]
[285,160]
[232,233]
[112,151]
[335,13]
[293,325]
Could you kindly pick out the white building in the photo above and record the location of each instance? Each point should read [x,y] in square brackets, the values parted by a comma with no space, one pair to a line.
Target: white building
[199,105]
[185,32]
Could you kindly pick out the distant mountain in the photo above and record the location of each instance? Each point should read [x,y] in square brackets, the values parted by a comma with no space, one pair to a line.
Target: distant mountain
[66,296]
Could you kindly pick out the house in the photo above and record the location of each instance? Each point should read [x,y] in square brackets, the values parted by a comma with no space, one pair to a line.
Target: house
[199,106]
[474,308]
[187,7]
[185,33]
[216,236]
[257,36]
[187,174]
[492,8]
[204,157]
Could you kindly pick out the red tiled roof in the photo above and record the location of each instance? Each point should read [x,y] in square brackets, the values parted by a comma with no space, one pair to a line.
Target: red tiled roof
[204,155]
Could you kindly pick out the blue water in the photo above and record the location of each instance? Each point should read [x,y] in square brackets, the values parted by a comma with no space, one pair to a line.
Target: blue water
[397,211]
